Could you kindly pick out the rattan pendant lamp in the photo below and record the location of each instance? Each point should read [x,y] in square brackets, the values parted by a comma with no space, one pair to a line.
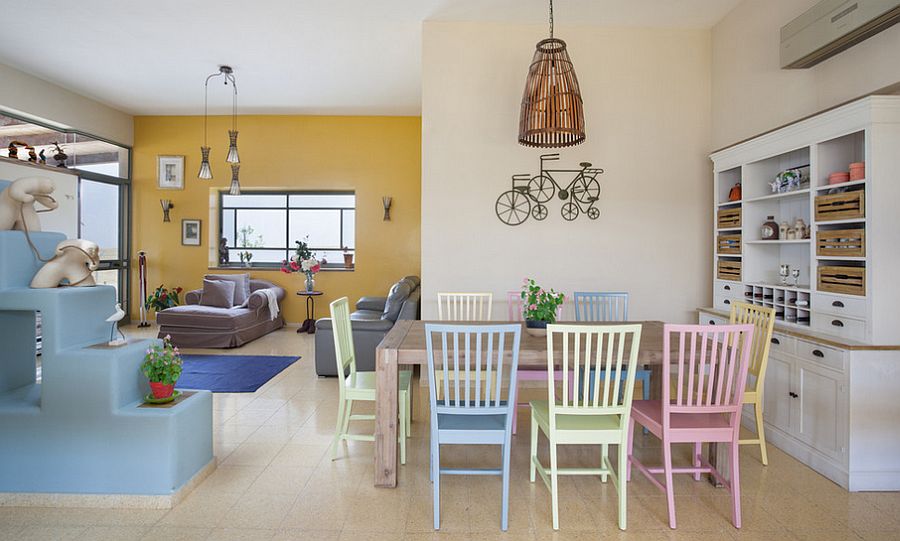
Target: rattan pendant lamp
[552,114]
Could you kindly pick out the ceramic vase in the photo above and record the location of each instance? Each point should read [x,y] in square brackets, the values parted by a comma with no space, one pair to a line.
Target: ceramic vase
[161,390]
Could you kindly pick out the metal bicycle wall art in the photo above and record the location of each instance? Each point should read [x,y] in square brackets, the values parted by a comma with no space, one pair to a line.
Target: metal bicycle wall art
[529,194]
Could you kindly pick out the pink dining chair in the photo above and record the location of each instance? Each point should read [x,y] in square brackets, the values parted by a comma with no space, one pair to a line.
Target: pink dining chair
[708,378]
[515,312]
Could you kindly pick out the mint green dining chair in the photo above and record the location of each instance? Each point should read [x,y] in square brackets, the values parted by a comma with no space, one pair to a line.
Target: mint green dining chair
[593,410]
[360,386]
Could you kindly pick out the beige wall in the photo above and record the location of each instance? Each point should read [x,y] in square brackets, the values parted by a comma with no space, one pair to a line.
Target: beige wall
[34,97]
[751,94]
[647,103]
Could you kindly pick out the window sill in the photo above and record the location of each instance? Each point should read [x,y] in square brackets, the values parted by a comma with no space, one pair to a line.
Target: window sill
[277,269]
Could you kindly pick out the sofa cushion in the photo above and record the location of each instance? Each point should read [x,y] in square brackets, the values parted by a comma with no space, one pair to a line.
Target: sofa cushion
[366,315]
[396,296]
[413,280]
[217,293]
[199,317]
[241,285]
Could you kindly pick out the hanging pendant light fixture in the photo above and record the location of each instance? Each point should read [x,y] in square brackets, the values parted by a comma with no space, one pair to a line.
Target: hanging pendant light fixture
[552,114]
[235,183]
[205,171]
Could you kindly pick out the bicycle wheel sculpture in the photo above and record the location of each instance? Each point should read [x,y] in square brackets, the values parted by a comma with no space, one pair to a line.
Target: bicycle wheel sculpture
[530,193]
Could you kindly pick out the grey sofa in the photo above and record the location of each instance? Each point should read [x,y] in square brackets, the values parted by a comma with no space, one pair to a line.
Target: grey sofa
[197,326]
[373,318]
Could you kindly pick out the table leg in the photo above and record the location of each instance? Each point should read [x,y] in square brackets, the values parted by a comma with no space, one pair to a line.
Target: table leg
[386,375]
[311,314]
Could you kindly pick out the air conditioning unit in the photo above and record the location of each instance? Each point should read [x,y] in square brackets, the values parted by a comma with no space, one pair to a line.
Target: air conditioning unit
[832,26]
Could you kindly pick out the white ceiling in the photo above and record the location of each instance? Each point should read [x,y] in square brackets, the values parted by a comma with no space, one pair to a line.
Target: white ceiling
[289,56]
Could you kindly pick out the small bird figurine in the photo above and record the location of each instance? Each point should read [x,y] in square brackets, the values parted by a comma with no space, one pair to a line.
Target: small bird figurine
[114,320]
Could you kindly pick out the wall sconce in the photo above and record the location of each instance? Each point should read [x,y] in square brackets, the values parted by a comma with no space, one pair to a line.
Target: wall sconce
[166,206]
[386,201]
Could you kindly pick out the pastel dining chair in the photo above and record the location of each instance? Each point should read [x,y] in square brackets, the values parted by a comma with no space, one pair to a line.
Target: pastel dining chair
[708,377]
[608,306]
[515,312]
[360,386]
[583,416]
[473,410]
[763,321]
[464,306]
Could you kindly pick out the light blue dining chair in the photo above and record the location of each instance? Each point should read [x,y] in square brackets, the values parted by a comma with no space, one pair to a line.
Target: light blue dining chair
[596,306]
[472,409]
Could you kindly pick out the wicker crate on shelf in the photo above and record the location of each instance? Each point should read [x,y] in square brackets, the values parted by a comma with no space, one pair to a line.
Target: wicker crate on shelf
[729,270]
[728,218]
[841,242]
[847,280]
[728,244]
[841,206]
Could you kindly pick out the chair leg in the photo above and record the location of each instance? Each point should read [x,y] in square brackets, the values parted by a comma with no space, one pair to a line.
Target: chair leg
[534,444]
[735,485]
[670,488]
[348,410]
[338,429]
[623,461]
[604,453]
[515,417]
[630,448]
[645,389]
[436,478]
[554,485]
[504,505]
[761,433]
[698,449]
[404,417]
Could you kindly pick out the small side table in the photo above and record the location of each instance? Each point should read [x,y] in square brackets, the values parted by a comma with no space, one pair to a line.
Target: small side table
[309,324]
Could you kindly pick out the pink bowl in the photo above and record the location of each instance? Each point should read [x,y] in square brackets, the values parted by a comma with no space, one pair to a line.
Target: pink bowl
[838,178]
[857,171]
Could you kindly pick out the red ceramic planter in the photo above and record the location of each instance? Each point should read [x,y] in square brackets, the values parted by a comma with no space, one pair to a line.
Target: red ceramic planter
[161,390]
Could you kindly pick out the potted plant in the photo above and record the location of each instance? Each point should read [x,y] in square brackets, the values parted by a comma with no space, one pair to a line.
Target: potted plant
[245,258]
[348,258]
[162,366]
[163,298]
[248,238]
[539,307]
[303,261]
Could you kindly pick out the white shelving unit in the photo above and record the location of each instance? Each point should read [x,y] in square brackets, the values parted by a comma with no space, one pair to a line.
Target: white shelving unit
[834,357]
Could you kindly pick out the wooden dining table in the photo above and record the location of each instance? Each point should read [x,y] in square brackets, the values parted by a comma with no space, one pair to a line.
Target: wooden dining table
[404,344]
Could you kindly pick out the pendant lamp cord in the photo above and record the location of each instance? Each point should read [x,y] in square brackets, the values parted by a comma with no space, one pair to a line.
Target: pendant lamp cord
[228,77]
[551,19]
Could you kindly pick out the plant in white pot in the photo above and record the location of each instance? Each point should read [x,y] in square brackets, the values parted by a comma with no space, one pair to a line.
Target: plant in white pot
[539,306]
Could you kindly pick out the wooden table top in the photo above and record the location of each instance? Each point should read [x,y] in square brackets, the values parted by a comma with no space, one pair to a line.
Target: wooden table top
[407,337]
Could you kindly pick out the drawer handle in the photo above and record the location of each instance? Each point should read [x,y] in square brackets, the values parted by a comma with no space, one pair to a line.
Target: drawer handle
[818,353]
[793,395]
[837,323]
[837,304]
[727,288]
[711,322]
[727,301]
[776,341]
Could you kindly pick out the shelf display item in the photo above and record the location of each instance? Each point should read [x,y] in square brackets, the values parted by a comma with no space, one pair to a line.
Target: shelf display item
[770,229]
[838,178]
[17,210]
[735,193]
[784,271]
[782,230]
[73,264]
[789,180]
[858,171]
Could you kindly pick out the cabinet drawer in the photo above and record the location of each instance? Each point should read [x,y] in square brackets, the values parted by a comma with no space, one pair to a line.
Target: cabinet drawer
[843,306]
[712,319]
[845,327]
[822,355]
[723,303]
[782,344]
[722,288]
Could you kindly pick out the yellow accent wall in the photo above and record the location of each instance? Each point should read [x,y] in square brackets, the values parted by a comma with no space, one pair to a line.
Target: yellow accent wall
[374,156]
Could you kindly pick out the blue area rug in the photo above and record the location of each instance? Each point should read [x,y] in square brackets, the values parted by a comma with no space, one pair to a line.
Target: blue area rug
[230,373]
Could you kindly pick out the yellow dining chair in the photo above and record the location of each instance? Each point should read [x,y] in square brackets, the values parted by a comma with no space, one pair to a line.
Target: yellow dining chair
[355,385]
[595,410]
[763,321]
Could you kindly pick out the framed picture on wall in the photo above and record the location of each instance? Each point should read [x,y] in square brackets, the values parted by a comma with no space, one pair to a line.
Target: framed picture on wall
[170,172]
[190,232]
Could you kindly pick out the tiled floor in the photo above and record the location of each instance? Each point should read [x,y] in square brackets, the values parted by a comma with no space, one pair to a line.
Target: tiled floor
[275,481]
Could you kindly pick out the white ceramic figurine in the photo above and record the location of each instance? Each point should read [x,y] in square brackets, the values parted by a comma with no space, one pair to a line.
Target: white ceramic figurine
[17,203]
[72,265]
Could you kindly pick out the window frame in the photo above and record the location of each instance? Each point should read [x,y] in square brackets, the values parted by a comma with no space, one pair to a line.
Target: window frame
[286,209]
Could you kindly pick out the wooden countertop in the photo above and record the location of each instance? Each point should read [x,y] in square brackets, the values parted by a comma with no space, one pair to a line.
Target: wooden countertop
[817,337]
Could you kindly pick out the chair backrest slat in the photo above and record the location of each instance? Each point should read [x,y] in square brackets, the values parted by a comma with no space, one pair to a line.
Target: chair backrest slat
[595,358]
[601,306]
[716,367]
[344,351]
[473,372]
[763,321]
[464,306]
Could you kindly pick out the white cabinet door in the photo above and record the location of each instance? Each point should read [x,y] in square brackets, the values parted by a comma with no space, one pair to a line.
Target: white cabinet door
[820,399]
[777,399]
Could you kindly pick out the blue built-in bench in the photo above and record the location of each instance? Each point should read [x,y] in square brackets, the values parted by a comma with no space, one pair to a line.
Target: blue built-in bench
[81,430]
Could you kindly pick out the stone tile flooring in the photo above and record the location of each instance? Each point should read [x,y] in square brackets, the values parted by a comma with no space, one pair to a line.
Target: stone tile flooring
[275,481]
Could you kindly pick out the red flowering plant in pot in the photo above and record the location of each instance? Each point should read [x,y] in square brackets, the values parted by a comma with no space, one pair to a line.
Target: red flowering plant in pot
[162,366]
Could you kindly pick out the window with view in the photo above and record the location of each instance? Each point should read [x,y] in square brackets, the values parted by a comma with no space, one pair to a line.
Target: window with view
[267,224]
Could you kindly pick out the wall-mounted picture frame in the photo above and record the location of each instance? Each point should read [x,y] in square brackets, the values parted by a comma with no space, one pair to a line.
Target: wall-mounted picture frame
[190,232]
[170,172]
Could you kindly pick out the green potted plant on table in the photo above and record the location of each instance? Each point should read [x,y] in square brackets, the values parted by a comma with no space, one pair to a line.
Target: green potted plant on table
[163,298]
[539,306]
[162,366]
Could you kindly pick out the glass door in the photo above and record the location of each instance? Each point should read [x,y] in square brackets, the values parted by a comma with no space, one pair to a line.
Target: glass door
[102,218]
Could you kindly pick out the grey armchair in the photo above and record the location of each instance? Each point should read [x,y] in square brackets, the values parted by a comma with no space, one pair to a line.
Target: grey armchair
[373,318]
